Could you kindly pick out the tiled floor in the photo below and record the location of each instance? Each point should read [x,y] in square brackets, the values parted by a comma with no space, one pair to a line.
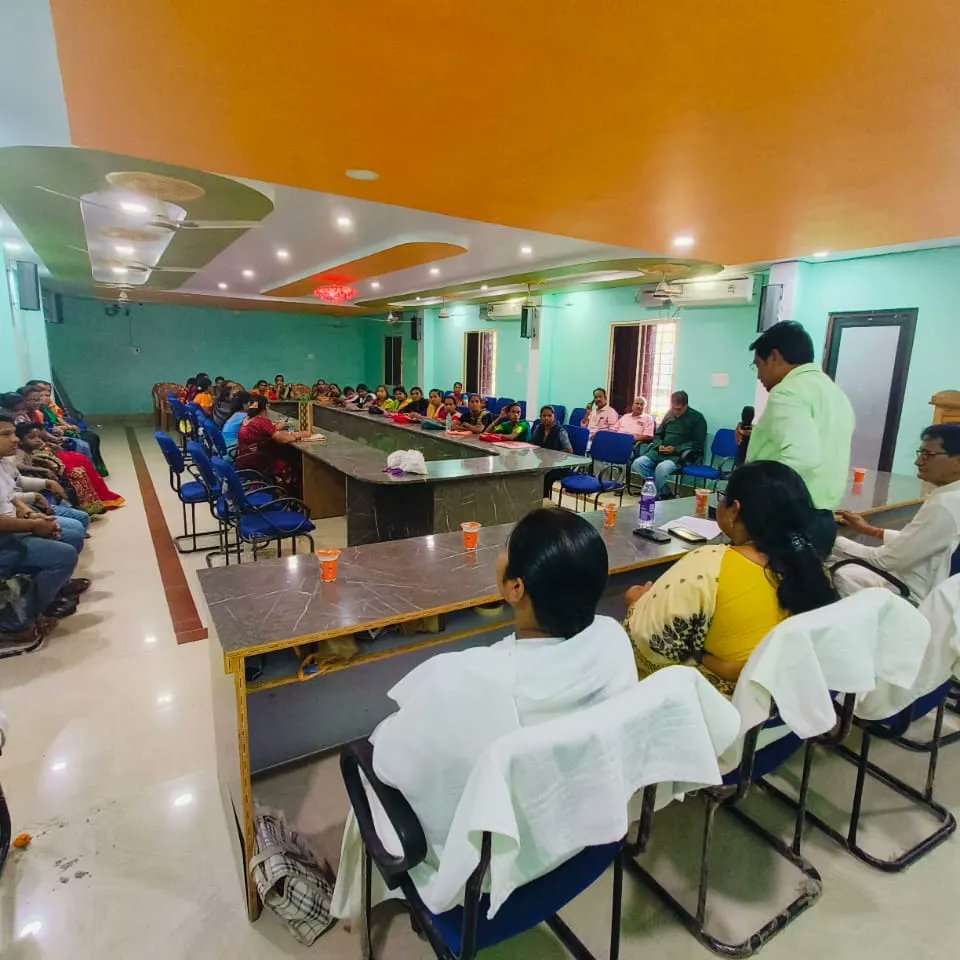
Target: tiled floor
[111,767]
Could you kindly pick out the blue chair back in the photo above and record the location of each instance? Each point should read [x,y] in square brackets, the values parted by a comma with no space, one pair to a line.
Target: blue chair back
[955,563]
[610,447]
[463,411]
[523,409]
[579,438]
[560,410]
[171,453]
[502,402]
[491,403]
[216,443]
[204,467]
[230,483]
[724,445]
[577,414]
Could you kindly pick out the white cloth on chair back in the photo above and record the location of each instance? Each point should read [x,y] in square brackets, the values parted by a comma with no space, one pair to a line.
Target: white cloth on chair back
[871,644]
[548,791]
[941,608]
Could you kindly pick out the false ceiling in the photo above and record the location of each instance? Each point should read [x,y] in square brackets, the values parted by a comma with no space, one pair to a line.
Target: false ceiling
[764,130]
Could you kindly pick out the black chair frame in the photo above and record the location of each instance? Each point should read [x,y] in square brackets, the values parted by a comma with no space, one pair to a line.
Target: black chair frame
[258,543]
[729,797]
[6,828]
[861,760]
[357,758]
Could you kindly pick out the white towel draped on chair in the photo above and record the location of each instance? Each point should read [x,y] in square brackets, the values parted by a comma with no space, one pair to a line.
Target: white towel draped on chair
[871,644]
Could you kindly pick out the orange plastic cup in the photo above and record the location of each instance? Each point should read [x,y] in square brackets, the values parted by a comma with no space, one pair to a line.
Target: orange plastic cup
[610,514]
[328,564]
[859,474]
[701,501]
[471,534]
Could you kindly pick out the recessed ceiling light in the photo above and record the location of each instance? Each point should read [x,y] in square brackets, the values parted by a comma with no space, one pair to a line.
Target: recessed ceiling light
[248,273]
[221,286]
[526,251]
[58,766]
[684,240]
[375,285]
[12,245]
[124,250]
[344,221]
[416,298]
[283,254]
[129,206]
[822,253]
[183,800]
[483,286]
[434,271]
[360,174]
[119,270]
[30,929]
[164,699]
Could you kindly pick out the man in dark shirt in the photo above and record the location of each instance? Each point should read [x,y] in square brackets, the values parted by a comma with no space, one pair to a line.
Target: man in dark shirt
[682,430]
[476,420]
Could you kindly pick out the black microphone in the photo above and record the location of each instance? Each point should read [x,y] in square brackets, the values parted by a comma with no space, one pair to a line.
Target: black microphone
[746,416]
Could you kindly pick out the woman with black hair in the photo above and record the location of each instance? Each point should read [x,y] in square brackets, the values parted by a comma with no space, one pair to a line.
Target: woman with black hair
[561,658]
[261,442]
[716,605]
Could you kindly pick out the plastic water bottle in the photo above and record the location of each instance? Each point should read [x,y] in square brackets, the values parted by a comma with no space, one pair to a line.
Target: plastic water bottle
[449,423]
[648,504]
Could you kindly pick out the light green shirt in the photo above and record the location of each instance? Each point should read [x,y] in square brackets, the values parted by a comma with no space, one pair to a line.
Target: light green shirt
[808,425]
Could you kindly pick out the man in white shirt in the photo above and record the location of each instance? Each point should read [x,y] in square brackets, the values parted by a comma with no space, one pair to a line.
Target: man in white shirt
[600,415]
[638,424]
[920,554]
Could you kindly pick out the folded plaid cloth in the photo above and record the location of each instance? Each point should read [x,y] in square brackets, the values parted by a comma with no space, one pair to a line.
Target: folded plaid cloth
[289,879]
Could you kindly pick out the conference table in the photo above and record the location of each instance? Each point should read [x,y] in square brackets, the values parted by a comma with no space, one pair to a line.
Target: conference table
[466,478]
[300,666]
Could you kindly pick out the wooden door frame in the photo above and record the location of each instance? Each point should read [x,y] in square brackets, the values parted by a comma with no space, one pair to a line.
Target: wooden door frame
[639,323]
[906,319]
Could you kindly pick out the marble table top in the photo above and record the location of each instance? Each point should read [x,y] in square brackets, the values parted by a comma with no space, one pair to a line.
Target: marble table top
[362,461]
[273,603]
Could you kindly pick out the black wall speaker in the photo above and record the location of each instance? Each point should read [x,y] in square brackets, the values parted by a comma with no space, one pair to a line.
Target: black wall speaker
[28,285]
[528,322]
[416,327]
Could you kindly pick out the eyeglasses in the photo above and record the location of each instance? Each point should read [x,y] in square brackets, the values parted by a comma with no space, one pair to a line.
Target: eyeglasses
[927,455]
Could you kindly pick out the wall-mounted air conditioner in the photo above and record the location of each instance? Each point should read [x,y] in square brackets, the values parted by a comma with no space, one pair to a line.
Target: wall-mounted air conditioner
[502,309]
[736,291]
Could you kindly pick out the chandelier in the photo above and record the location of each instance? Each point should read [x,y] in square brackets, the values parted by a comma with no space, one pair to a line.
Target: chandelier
[335,293]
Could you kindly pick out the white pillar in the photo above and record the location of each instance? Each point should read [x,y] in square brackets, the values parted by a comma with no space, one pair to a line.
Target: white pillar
[533,366]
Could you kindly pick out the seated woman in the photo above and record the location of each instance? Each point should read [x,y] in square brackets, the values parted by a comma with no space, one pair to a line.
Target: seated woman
[551,436]
[400,398]
[415,405]
[35,459]
[715,606]
[54,415]
[231,427]
[449,409]
[509,424]
[434,404]
[204,395]
[280,388]
[319,389]
[380,398]
[225,405]
[334,393]
[261,441]
[263,389]
[560,659]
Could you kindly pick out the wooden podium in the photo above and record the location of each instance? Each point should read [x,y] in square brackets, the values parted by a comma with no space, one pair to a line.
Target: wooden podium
[946,406]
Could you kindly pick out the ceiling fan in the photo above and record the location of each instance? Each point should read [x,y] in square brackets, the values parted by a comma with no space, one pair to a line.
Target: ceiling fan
[158,220]
[134,266]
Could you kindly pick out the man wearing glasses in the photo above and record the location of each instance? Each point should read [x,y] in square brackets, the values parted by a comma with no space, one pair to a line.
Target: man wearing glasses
[920,554]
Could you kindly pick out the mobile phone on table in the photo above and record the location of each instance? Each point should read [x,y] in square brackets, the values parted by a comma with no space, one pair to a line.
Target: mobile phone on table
[657,536]
[688,536]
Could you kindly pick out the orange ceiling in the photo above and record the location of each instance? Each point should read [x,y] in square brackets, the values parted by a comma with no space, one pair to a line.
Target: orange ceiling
[765,129]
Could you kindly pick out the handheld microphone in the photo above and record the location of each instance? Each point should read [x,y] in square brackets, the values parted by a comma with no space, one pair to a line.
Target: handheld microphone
[746,416]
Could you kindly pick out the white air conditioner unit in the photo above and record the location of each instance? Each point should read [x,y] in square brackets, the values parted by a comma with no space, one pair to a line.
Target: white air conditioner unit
[736,291]
[502,309]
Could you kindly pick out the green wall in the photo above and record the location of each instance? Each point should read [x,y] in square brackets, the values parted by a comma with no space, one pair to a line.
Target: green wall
[108,364]
[927,280]
[444,361]
[375,332]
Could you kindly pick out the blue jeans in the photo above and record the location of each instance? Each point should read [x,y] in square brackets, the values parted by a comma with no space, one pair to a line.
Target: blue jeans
[61,510]
[79,446]
[71,532]
[50,562]
[661,472]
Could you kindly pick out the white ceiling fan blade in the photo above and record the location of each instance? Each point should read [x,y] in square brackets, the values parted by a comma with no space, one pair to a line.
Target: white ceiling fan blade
[67,196]
[212,224]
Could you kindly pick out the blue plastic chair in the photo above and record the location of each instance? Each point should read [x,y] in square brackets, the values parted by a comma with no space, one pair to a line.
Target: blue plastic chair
[284,518]
[576,416]
[502,402]
[579,438]
[612,453]
[491,403]
[189,492]
[955,563]
[184,419]
[463,411]
[723,453]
